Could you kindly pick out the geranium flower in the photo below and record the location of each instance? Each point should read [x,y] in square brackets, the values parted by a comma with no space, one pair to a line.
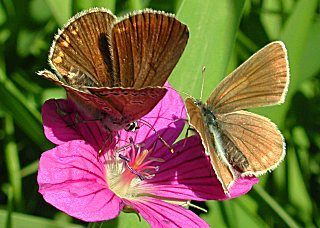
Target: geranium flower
[137,174]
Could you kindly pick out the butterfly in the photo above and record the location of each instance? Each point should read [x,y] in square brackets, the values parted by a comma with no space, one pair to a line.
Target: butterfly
[240,142]
[114,69]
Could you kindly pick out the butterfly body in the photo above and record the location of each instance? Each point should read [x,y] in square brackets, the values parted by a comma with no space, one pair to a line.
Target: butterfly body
[241,143]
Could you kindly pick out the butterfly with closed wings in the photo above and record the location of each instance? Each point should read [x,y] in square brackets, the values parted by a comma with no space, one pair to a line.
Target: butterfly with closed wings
[240,142]
[114,70]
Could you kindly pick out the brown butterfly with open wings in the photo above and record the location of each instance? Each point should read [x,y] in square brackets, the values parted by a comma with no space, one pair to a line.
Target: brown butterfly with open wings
[240,142]
[115,69]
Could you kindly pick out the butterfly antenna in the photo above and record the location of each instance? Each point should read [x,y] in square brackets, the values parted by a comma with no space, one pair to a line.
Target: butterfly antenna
[161,139]
[187,94]
[202,73]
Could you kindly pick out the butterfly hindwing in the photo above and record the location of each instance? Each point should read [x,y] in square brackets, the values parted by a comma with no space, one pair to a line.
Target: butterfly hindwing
[133,104]
[253,137]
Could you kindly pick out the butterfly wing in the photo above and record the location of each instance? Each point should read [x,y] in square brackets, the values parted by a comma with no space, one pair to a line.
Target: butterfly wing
[225,173]
[260,81]
[81,49]
[131,103]
[253,142]
[146,47]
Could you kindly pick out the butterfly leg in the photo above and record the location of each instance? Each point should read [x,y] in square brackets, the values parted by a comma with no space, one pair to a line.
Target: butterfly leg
[157,134]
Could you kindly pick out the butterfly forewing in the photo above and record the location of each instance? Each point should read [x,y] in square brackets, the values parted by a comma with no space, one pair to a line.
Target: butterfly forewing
[254,137]
[223,171]
[260,81]
[146,48]
[81,49]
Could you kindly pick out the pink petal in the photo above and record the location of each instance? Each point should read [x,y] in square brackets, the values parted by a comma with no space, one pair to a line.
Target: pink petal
[161,214]
[71,179]
[242,186]
[62,124]
[55,126]
[187,174]
[167,118]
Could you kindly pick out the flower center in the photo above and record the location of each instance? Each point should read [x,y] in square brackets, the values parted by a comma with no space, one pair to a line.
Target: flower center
[126,168]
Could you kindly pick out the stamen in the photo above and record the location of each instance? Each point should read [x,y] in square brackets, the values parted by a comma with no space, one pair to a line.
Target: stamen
[124,158]
[189,204]
[127,167]
[126,161]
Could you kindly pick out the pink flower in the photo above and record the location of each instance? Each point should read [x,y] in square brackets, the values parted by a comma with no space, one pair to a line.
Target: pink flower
[137,175]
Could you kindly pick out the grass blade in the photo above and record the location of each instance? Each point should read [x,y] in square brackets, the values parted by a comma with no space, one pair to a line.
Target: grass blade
[86,4]
[60,9]
[213,26]
[26,116]
[275,206]
[13,164]
[295,36]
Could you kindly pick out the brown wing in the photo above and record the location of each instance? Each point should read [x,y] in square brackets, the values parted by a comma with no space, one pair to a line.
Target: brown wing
[81,49]
[260,81]
[253,136]
[146,47]
[131,103]
[51,77]
[225,174]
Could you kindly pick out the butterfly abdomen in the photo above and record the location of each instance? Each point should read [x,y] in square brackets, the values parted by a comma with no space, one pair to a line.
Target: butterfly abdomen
[234,156]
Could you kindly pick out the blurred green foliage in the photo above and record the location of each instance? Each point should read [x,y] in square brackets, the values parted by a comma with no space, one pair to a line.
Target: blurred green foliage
[222,35]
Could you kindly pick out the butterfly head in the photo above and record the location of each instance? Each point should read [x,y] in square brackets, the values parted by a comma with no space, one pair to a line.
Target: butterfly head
[132,127]
[198,103]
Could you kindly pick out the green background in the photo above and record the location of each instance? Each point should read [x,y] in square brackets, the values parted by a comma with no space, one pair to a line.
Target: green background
[223,33]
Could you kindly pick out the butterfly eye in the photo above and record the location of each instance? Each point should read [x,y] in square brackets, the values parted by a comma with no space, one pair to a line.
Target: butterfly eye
[132,126]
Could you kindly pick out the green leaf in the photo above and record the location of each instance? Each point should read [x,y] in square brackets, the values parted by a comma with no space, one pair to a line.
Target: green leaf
[271,18]
[126,220]
[135,4]
[311,53]
[30,169]
[275,206]
[297,190]
[8,216]
[213,26]
[295,36]
[86,4]
[60,9]
[25,115]
[53,93]
[240,212]
[28,221]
